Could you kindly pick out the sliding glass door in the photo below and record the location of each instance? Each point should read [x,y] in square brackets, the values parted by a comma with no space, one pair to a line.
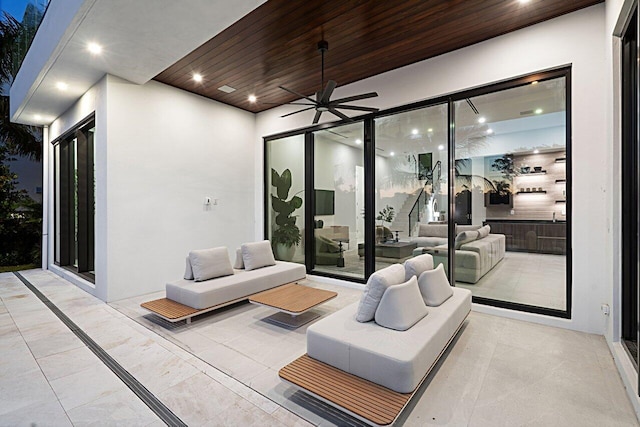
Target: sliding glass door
[338,201]
[411,197]
[511,194]
[479,179]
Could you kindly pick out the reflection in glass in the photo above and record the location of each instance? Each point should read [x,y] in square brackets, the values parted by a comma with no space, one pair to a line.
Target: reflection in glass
[339,200]
[510,194]
[411,185]
[285,211]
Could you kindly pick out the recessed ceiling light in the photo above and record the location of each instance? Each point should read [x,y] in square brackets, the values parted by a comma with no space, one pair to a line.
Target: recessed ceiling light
[538,111]
[197,77]
[414,131]
[62,86]
[358,141]
[37,117]
[430,130]
[252,98]
[489,131]
[536,151]
[94,48]
[524,1]
[535,82]
[440,147]
[392,153]
[482,120]
[227,89]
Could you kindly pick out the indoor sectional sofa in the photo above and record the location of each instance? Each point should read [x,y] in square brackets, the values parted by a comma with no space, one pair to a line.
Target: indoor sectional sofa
[477,250]
[346,353]
[210,281]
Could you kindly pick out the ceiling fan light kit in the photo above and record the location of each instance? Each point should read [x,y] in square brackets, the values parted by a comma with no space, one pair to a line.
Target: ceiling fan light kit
[323,102]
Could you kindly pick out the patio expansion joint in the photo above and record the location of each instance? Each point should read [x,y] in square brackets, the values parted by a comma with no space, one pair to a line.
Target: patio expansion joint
[148,398]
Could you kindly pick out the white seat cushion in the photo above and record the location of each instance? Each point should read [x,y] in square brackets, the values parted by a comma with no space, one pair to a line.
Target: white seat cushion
[257,255]
[434,286]
[376,285]
[401,306]
[210,263]
[413,267]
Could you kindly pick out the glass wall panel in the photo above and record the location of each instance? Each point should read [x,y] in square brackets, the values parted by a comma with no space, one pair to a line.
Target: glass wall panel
[411,194]
[510,194]
[285,192]
[339,200]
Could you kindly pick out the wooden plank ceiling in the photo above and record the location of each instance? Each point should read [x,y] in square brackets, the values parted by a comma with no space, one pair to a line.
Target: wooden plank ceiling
[276,43]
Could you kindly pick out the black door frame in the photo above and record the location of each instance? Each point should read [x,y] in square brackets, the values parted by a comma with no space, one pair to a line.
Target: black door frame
[450,99]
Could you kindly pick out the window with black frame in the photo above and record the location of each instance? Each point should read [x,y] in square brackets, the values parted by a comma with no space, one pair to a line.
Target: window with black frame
[75,200]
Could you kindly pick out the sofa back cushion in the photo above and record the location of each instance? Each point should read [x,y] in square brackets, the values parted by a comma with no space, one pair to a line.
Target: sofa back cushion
[401,306]
[188,271]
[434,286]
[484,231]
[413,267]
[324,244]
[465,237]
[433,230]
[239,264]
[210,263]
[257,255]
[376,286]
[461,228]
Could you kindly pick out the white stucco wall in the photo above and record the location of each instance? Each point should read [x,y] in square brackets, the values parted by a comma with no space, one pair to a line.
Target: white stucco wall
[577,39]
[159,154]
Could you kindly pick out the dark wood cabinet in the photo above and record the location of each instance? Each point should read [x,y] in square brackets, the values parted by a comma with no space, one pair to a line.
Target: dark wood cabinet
[532,236]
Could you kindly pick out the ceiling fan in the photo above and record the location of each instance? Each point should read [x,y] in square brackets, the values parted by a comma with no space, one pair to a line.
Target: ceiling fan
[323,102]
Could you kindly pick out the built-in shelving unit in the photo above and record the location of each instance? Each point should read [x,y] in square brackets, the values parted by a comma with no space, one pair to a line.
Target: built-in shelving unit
[533,192]
[534,173]
[561,181]
[561,160]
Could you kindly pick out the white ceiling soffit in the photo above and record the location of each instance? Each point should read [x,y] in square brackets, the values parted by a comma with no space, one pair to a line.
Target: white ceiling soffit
[139,40]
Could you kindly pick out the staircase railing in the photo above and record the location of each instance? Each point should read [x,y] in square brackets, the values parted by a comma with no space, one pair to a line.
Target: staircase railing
[423,197]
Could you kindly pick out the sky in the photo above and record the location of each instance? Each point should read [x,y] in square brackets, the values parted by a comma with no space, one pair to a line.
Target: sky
[14,7]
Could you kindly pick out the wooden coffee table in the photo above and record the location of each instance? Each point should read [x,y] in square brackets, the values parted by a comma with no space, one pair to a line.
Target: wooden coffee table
[294,303]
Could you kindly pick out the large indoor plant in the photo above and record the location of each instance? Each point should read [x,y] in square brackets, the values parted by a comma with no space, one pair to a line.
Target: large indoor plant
[286,236]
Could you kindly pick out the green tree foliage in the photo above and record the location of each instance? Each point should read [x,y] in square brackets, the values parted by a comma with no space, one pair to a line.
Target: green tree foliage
[20,219]
[287,232]
[20,216]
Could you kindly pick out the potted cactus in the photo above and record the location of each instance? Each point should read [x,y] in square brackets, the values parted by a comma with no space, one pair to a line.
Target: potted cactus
[287,235]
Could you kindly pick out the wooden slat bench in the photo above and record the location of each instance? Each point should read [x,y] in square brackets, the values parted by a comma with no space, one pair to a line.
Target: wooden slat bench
[357,396]
[173,311]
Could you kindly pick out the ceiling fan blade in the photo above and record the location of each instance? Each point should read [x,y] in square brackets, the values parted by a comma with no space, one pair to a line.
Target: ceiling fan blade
[353,107]
[299,111]
[286,103]
[317,117]
[328,90]
[298,94]
[339,114]
[354,98]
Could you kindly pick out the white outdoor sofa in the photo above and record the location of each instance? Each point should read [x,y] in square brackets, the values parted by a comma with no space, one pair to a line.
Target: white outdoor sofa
[217,284]
[370,371]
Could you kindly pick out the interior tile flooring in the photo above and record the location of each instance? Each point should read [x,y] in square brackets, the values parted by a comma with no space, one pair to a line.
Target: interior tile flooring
[222,368]
[525,278]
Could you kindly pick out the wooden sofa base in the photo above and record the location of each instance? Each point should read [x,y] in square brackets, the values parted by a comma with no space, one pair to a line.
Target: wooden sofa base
[173,311]
[367,401]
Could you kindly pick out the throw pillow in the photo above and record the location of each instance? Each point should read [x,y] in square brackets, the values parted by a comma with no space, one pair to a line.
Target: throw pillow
[401,306]
[188,271]
[484,231]
[210,263]
[239,264]
[465,237]
[257,255]
[413,267]
[434,286]
[376,285]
